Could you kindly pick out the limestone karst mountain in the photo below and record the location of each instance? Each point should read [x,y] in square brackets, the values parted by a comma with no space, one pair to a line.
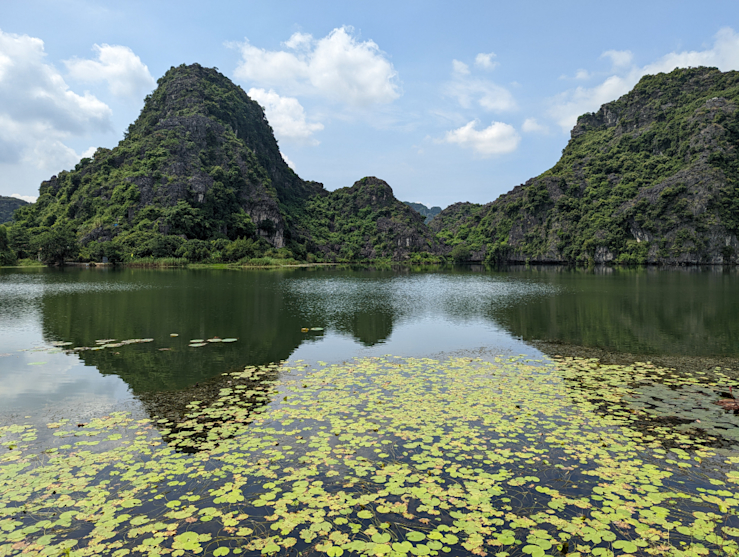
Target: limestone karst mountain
[650,178]
[199,169]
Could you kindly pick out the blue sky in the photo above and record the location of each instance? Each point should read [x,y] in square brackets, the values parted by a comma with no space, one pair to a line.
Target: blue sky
[445,101]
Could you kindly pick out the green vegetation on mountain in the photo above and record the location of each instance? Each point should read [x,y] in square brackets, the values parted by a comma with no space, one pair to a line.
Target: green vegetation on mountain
[7,206]
[651,177]
[7,256]
[421,209]
[366,221]
[199,176]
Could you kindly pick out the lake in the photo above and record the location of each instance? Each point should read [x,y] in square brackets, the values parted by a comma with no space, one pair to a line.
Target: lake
[90,345]
[406,312]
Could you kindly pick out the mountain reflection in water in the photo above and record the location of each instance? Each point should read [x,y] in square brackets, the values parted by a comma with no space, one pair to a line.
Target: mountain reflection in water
[406,311]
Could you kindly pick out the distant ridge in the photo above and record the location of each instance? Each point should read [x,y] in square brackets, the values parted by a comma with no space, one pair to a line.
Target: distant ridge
[8,205]
[424,211]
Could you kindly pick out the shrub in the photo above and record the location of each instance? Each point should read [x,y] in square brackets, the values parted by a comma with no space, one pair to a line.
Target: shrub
[460,253]
[194,250]
[165,246]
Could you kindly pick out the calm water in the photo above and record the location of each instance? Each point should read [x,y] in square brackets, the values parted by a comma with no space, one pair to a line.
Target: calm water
[691,312]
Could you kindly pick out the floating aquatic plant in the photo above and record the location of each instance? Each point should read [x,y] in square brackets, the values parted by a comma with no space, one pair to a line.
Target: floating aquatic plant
[386,456]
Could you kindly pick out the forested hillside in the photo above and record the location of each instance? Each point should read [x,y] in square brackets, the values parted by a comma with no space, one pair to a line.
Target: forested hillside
[651,177]
[199,175]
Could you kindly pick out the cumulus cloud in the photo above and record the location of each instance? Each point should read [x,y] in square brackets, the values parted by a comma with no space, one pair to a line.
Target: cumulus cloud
[530,125]
[619,58]
[286,116]
[338,67]
[126,75]
[486,61]
[460,68]
[567,106]
[28,198]
[496,139]
[289,163]
[582,75]
[38,111]
[471,92]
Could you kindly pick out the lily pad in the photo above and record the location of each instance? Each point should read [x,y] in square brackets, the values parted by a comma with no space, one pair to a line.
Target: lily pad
[197,344]
[229,340]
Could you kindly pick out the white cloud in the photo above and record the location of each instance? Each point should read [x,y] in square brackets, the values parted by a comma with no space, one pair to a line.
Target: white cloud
[530,125]
[567,106]
[286,116]
[88,153]
[582,75]
[485,61]
[338,67]
[496,139]
[471,92]
[460,68]
[486,94]
[289,163]
[619,58]
[126,75]
[724,55]
[299,41]
[38,111]
[29,198]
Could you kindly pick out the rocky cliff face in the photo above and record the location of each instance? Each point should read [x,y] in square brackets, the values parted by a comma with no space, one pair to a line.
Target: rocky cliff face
[650,178]
[200,162]
[366,221]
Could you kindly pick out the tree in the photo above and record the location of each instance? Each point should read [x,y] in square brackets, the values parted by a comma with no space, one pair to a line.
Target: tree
[7,256]
[19,241]
[460,253]
[55,245]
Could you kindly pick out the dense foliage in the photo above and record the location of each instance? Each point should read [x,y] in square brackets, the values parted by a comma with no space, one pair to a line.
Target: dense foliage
[366,221]
[649,177]
[189,179]
[7,255]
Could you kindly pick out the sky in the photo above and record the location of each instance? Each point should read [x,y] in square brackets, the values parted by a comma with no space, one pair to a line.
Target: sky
[445,101]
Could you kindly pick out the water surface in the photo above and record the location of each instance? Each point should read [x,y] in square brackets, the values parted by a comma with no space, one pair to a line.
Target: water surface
[404,312]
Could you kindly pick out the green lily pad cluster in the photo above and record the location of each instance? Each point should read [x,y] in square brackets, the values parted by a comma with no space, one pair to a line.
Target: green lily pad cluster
[387,456]
[199,342]
[112,343]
